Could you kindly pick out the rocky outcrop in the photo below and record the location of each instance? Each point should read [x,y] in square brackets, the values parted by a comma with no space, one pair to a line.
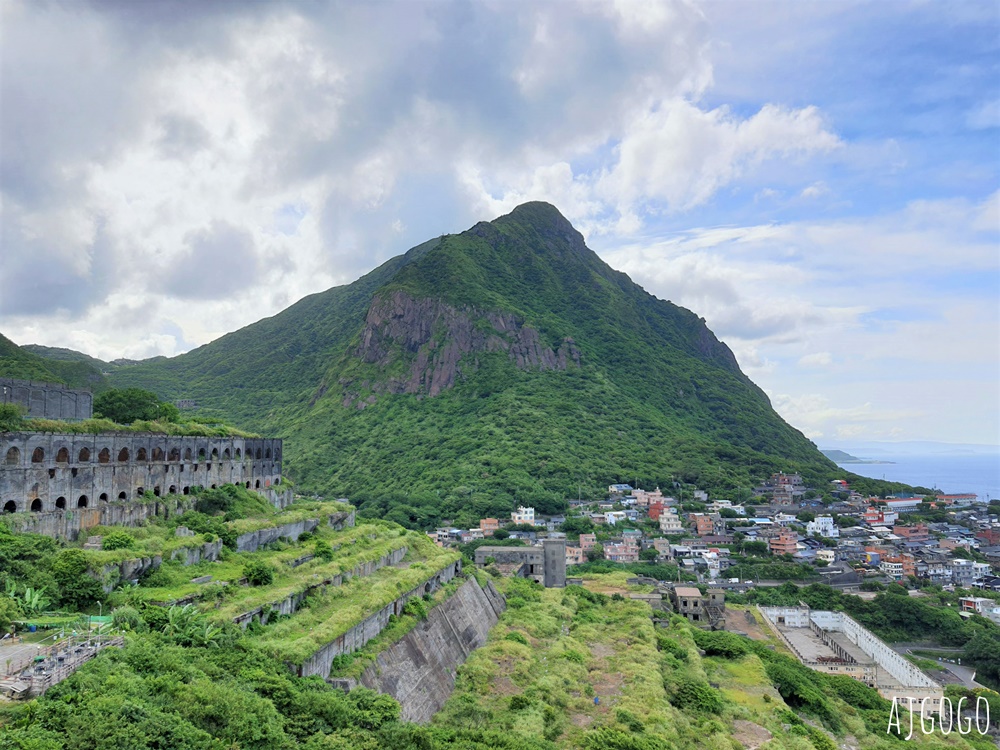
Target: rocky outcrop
[419,669]
[434,339]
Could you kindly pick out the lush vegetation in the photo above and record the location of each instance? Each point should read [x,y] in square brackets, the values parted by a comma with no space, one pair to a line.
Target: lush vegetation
[656,399]
[570,668]
[75,371]
[126,405]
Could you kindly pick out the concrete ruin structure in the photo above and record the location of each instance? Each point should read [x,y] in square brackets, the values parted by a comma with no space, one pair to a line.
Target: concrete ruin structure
[704,611]
[834,643]
[545,564]
[54,473]
[47,400]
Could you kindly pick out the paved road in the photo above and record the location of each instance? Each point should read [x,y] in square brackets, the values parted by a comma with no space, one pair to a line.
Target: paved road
[965,674]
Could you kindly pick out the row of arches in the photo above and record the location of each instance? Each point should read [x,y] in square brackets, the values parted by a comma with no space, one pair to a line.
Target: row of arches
[36,505]
[13,456]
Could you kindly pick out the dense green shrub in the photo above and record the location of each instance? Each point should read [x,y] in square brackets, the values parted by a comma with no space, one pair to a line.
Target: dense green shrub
[697,696]
[258,572]
[118,540]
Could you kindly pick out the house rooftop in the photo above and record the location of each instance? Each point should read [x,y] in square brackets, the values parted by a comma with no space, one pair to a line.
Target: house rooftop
[686,591]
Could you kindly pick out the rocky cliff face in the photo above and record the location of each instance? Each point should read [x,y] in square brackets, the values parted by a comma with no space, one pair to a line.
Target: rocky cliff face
[433,340]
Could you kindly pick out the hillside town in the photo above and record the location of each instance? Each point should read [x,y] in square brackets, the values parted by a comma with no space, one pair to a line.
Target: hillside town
[783,531]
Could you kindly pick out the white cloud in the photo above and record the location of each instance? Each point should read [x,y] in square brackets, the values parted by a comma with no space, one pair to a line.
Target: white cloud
[817,359]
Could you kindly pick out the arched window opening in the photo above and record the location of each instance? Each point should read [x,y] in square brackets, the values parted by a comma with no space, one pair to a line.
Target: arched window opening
[61,503]
[36,505]
[104,497]
[257,485]
[156,491]
[141,455]
[267,454]
[37,456]
[248,485]
[215,453]
[62,456]
[84,456]
[10,507]
[208,467]
[239,453]
[277,480]
[187,490]
[187,454]
[173,489]
[157,454]
[104,456]
[213,487]
[82,502]
[140,492]
[226,454]
[175,454]
[201,454]
[13,457]
[122,496]
[123,455]
[258,454]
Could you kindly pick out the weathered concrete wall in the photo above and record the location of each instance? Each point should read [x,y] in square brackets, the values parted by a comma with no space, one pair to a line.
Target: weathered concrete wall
[47,400]
[127,570]
[291,603]
[253,540]
[45,471]
[371,626]
[208,551]
[419,670]
[69,524]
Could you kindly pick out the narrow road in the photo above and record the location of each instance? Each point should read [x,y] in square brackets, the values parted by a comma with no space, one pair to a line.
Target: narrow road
[965,674]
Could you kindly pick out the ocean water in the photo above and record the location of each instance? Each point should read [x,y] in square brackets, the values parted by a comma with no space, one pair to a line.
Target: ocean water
[954,474]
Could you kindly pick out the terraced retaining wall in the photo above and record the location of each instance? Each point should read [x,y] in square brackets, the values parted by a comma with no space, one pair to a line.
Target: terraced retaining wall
[419,669]
[371,626]
[291,603]
[253,540]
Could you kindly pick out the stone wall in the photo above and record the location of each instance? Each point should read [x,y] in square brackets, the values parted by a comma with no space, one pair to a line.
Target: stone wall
[419,670]
[371,626]
[47,400]
[47,471]
[69,524]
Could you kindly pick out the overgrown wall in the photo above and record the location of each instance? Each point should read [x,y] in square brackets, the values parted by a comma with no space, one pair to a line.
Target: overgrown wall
[371,626]
[291,603]
[419,670]
[253,540]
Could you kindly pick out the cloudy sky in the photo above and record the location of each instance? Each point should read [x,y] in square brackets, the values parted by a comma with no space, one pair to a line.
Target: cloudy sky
[819,180]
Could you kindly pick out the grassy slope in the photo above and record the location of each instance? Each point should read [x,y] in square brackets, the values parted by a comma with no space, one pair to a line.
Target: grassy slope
[658,396]
[17,362]
[554,651]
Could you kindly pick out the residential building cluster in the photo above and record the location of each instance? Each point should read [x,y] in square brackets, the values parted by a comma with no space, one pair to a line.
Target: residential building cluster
[855,537]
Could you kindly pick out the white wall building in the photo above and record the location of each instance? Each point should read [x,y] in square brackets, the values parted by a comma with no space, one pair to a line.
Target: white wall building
[523,515]
[823,526]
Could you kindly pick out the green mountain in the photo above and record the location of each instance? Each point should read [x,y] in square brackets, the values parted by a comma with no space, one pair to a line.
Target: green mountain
[506,364]
[68,367]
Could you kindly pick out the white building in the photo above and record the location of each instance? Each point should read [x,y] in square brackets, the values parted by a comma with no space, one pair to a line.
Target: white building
[614,516]
[670,523]
[523,515]
[823,526]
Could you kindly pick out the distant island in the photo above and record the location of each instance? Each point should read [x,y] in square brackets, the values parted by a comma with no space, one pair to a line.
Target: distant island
[841,457]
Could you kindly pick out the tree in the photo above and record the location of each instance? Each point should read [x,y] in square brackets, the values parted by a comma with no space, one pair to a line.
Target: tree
[595,553]
[11,417]
[806,516]
[126,405]
[76,587]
